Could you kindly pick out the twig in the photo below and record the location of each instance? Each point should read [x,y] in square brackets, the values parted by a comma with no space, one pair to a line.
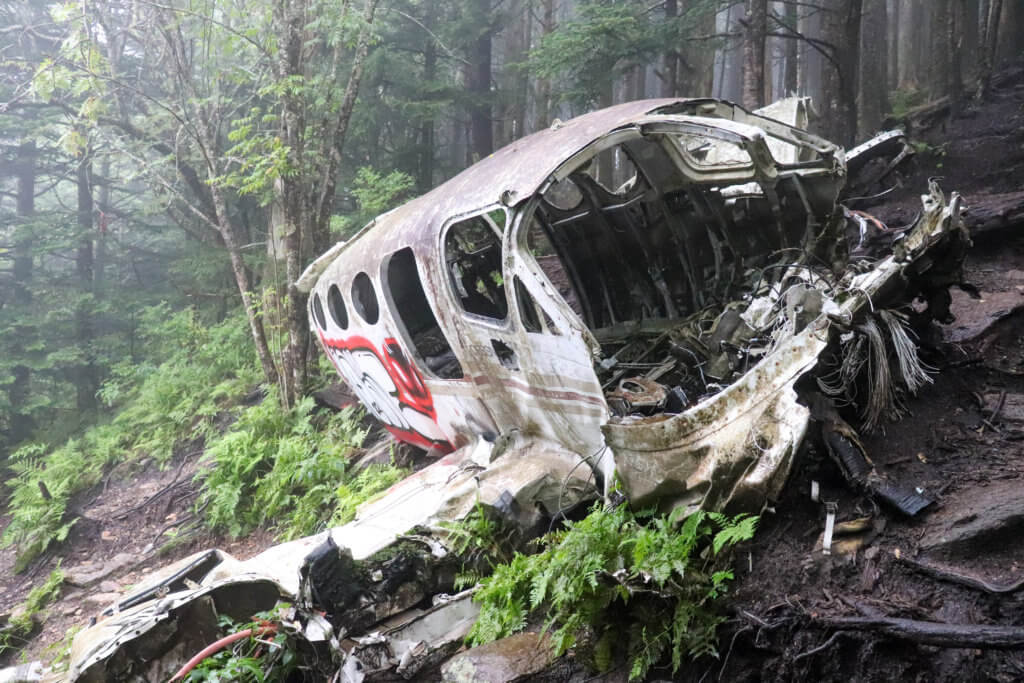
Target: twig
[818,649]
[178,522]
[174,484]
[961,579]
[756,618]
[725,661]
[999,406]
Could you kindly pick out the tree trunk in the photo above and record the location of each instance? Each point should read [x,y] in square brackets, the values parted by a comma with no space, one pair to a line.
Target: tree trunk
[941,44]
[987,47]
[85,375]
[289,18]
[730,84]
[893,38]
[425,177]
[544,84]
[954,39]
[755,28]
[21,422]
[1011,28]
[841,31]
[873,96]
[478,85]
[789,81]
[321,214]
[670,58]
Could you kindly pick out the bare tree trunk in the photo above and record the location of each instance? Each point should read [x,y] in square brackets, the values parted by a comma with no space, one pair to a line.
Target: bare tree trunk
[954,41]
[789,82]
[841,31]
[941,44]
[1011,28]
[478,86]
[85,376]
[754,34]
[100,274]
[425,179]
[544,84]
[731,85]
[873,96]
[21,422]
[521,82]
[909,20]
[696,73]
[987,48]
[324,208]
[670,59]
[289,19]
[893,31]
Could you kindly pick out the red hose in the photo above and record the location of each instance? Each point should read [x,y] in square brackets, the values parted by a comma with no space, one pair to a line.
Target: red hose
[220,645]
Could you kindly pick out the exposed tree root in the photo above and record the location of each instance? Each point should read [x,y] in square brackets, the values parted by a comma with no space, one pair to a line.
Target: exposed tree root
[932,633]
[961,579]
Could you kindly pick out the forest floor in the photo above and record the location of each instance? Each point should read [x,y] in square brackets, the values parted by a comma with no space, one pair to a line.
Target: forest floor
[137,521]
[962,441]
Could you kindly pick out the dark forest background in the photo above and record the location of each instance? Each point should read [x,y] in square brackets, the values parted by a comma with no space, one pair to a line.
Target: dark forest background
[168,167]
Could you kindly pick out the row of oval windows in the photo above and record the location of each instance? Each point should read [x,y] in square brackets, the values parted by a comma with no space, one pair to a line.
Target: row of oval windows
[364,300]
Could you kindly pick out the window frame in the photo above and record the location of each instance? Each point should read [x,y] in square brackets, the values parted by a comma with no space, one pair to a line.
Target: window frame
[402,330]
[506,323]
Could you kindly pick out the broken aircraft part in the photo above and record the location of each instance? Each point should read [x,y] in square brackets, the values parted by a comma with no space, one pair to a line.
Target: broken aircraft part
[645,296]
[645,286]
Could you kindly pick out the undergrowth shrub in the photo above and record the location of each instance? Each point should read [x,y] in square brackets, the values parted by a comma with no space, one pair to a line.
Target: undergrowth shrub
[619,585]
[188,375]
[21,623]
[279,467]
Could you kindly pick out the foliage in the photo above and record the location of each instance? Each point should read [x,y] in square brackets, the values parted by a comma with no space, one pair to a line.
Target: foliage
[604,40]
[191,374]
[644,589]
[287,468]
[22,620]
[482,541]
[250,660]
[60,650]
[375,193]
[365,486]
[905,99]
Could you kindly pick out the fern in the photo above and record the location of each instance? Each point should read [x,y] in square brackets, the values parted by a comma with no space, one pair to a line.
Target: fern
[629,586]
[171,396]
[288,468]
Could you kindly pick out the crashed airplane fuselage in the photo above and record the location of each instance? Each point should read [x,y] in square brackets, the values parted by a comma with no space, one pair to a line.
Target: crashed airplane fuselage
[657,296]
[641,286]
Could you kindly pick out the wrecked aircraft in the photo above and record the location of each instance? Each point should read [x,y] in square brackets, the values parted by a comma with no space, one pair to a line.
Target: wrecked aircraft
[659,298]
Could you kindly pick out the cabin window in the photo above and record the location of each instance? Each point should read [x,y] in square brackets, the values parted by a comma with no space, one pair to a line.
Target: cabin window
[405,288]
[364,298]
[318,312]
[336,306]
[473,259]
[713,153]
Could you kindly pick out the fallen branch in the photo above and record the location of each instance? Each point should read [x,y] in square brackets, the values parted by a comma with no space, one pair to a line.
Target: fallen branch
[961,579]
[932,633]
